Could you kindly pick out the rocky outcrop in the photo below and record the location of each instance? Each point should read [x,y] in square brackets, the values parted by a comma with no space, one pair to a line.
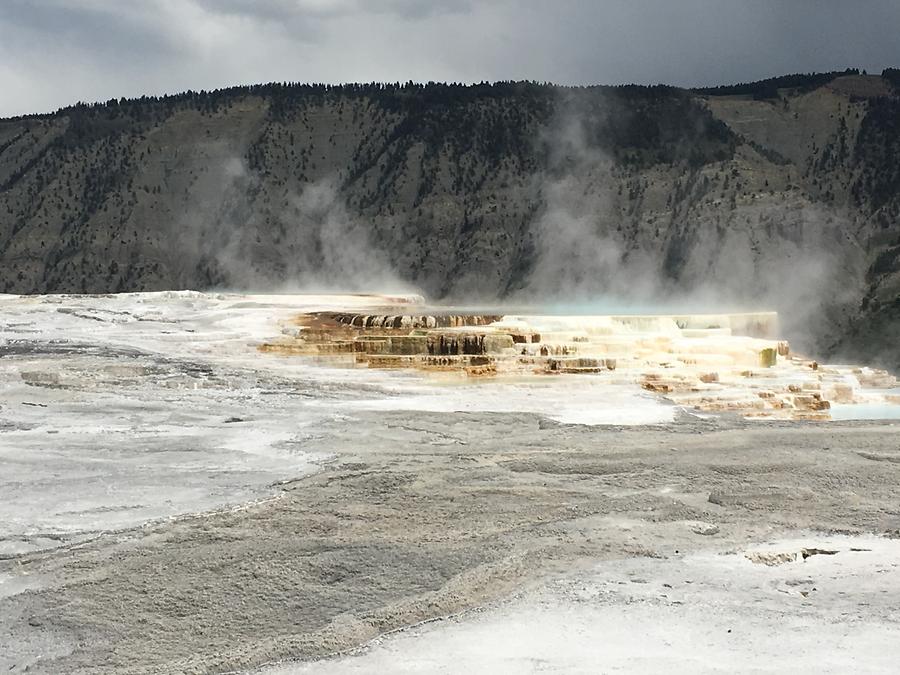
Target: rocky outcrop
[408,321]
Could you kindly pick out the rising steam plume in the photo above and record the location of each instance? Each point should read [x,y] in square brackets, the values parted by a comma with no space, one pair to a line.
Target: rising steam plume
[588,251]
[327,247]
[585,259]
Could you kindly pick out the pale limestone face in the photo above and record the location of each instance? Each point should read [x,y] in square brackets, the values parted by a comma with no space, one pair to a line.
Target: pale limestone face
[708,362]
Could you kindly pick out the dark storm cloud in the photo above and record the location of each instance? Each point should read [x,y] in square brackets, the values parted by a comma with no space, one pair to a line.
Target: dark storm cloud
[86,26]
[54,52]
[291,9]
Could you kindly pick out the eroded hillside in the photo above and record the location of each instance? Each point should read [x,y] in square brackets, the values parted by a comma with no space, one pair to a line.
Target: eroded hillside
[785,195]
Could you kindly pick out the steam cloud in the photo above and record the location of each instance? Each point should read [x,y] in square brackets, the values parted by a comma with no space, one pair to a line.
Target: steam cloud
[311,243]
[766,257]
[339,253]
[585,259]
[578,259]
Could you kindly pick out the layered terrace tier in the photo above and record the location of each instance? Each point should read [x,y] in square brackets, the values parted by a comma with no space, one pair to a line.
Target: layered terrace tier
[712,362]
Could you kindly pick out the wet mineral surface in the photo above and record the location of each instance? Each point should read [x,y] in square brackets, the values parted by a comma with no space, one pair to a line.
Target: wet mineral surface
[707,362]
[420,516]
[173,500]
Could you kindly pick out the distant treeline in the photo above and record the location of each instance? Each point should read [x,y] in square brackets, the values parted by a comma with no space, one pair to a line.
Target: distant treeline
[397,94]
[763,89]
[892,75]
[389,93]
[638,124]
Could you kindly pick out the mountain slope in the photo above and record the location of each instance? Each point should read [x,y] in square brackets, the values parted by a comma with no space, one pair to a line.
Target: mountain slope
[784,193]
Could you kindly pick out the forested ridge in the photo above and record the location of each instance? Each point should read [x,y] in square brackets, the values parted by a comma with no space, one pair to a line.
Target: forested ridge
[472,191]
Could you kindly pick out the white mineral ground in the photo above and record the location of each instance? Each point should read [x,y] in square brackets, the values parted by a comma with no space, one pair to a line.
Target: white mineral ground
[834,612]
[171,500]
[124,408]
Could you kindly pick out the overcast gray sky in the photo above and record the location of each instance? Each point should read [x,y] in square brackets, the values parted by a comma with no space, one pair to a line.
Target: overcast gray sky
[56,52]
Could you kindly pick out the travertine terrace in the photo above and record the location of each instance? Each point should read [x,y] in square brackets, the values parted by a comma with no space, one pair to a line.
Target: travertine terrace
[709,362]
